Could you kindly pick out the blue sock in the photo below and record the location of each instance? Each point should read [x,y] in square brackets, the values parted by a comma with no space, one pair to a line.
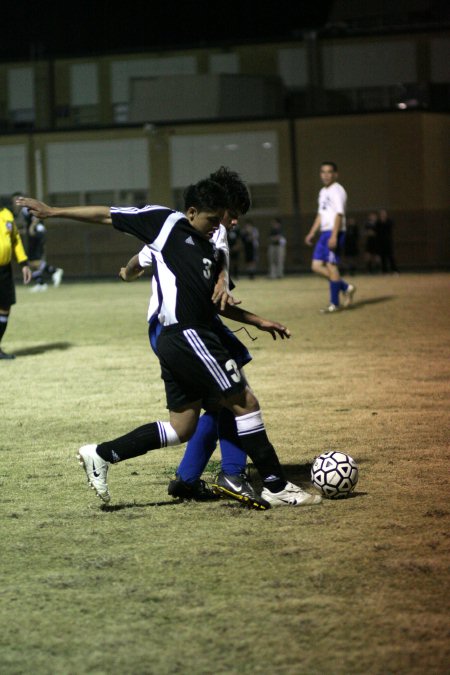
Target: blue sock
[335,287]
[234,459]
[199,449]
[343,285]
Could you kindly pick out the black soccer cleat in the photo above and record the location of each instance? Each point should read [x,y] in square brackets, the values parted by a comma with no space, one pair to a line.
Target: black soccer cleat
[237,487]
[198,491]
[6,357]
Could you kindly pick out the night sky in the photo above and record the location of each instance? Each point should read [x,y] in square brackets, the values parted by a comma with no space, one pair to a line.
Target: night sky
[50,29]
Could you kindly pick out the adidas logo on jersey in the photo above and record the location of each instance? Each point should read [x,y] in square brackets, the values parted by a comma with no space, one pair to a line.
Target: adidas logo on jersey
[190,241]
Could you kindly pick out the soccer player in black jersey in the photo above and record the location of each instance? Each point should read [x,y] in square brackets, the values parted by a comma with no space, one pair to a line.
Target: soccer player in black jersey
[35,240]
[195,365]
[216,424]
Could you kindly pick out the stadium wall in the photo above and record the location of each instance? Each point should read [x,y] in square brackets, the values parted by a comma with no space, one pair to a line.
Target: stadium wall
[396,161]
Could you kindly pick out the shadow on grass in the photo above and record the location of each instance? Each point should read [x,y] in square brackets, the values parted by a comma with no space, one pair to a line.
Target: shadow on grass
[370,301]
[41,349]
[109,508]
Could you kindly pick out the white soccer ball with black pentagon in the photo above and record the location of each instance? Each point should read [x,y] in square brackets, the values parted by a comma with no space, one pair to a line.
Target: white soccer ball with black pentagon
[335,474]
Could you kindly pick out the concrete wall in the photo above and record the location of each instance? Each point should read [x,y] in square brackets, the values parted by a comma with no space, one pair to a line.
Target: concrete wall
[396,161]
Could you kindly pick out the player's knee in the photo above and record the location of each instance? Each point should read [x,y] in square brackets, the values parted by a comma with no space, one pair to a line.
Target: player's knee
[183,431]
[243,403]
[252,403]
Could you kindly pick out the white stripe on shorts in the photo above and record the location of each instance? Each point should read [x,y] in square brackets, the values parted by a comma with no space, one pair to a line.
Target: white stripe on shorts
[208,359]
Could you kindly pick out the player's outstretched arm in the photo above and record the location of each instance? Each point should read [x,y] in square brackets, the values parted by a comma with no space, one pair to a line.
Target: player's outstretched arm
[88,214]
[132,270]
[243,316]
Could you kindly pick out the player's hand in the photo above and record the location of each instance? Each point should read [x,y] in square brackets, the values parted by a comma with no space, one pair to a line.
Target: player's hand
[222,296]
[35,207]
[275,328]
[224,299]
[308,239]
[332,243]
[26,274]
[130,275]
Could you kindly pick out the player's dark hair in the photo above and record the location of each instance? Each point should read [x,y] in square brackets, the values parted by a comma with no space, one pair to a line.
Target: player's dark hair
[332,164]
[238,192]
[206,195]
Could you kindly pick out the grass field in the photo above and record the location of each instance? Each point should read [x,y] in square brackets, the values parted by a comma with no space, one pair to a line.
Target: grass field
[148,585]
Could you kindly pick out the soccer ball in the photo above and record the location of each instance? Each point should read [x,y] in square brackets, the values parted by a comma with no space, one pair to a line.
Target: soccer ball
[335,474]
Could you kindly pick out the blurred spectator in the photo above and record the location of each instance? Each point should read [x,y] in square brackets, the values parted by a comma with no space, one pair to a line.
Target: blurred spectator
[385,226]
[371,248]
[234,246]
[351,246]
[250,241]
[277,249]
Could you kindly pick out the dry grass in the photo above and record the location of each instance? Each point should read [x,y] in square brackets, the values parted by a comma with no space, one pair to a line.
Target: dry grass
[150,586]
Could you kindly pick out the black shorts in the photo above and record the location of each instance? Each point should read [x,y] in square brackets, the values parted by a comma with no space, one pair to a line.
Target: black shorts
[36,248]
[7,289]
[195,365]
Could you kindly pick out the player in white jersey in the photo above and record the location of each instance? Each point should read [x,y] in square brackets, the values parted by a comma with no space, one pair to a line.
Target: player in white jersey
[330,221]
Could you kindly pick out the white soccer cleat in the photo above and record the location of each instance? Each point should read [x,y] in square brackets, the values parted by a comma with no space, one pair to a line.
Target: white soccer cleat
[96,470]
[348,295]
[292,495]
[330,309]
[39,288]
[57,276]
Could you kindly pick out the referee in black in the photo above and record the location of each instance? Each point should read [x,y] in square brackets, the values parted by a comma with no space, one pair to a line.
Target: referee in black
[10,246]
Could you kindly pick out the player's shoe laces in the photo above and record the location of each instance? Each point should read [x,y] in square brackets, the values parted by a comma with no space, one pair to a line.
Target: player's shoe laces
[330,309]
[57,276]
[198,490]
[96,470]
[348,295]
[237,487]
[292,495]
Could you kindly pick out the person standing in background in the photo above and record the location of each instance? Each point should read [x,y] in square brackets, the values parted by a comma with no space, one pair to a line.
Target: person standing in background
[330,220]
[276,249]
[371,246]
[10,246]
[351,248]
[235,246]
[250,240]
[384,228]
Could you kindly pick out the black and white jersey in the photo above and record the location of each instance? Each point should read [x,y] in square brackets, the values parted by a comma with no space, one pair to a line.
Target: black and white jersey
[185,263]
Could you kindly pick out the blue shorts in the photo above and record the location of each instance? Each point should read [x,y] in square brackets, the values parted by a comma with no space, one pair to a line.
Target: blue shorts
[325,254]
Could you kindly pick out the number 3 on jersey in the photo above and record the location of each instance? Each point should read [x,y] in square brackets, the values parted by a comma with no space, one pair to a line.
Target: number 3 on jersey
[207,264]
[233,370]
